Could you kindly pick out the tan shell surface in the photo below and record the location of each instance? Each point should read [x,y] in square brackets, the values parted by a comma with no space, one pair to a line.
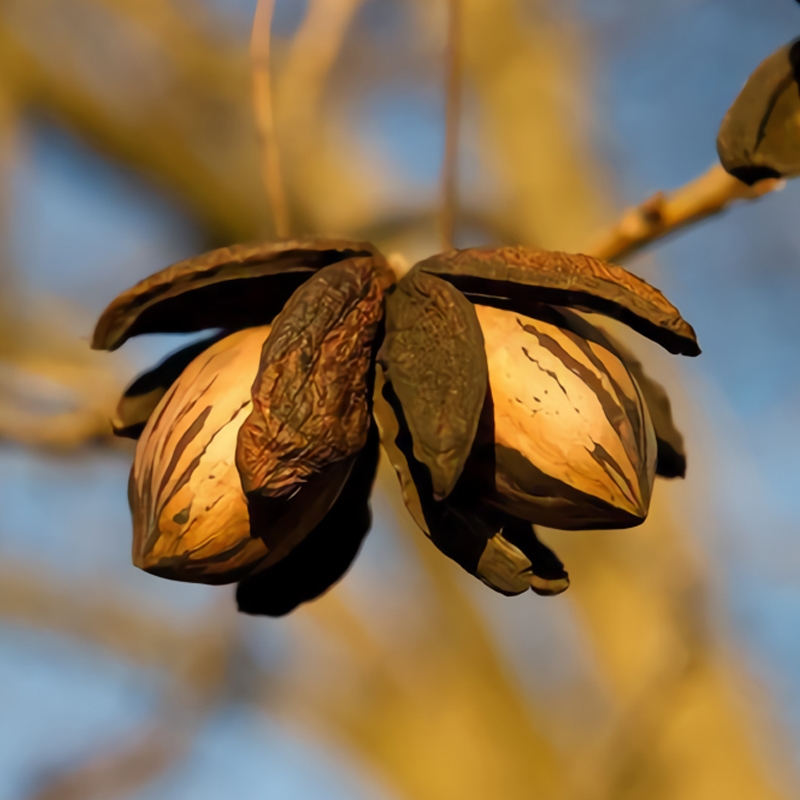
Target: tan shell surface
[574,443]
[190,514]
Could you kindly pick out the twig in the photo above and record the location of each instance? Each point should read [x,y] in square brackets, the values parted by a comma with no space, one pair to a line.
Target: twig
[224,200]
[9,146]
[453,59]
[662,214]
[312,54]
[193,654]
[117,773]
[265,117]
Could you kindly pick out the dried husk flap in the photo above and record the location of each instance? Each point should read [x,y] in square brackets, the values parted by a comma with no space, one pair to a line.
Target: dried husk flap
[433,356]
[521,279]
[312,398]
[760,134]
[230,288]
[517,559]
[140,399]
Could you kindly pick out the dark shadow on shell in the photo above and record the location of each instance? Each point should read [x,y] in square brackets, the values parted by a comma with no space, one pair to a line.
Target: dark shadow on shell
[142,396]
[325,555]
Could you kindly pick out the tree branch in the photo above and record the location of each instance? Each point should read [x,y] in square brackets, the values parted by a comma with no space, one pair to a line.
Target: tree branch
[193,654]
[119,772]
[265,116]
[312,54]
[662,214]
[168,142]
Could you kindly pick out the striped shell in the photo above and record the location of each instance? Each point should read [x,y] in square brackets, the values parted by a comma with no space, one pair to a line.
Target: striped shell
[574,444]
[190,515]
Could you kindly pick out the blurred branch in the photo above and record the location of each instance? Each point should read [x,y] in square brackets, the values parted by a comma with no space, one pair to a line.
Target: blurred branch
[265,117]
[317,168]
[453,59]
[9,147]
[154,140]
[440,715]
[311,57]
[528,74]
[54,392]
[195,137]
[130,766]
[50,395]
[57,431]
[189,47]
[194,655]
[662,214]
[639,595]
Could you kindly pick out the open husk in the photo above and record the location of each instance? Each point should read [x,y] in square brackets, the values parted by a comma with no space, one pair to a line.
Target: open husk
[236,287]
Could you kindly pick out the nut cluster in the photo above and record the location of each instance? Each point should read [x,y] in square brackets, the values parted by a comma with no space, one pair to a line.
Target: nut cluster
[498,404]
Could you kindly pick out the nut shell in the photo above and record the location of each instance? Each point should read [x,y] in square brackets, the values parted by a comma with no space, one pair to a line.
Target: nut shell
[574,443]
[190,515]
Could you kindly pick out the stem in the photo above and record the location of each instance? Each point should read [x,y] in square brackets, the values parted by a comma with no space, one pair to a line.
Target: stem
[662,214]
[452,119]
[265,117]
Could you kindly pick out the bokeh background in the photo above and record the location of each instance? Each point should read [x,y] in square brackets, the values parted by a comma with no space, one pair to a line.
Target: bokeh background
[670,669]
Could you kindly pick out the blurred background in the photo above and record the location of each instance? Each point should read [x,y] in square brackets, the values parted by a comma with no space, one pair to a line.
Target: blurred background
[670,669]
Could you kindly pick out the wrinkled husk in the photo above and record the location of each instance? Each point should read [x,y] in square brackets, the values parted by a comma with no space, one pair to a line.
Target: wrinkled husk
[311,409]
[325,555]
[759,137]
[574,443]
[190,515]
[433,357]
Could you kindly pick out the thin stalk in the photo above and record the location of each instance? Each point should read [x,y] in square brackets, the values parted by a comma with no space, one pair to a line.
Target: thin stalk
[265,117]
[664,213]
[453,61]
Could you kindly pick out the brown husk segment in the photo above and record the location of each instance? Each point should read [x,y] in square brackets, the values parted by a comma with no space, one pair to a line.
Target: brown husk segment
[231,288]
[433,356]
[760,134]
[312,395]
[522,278]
